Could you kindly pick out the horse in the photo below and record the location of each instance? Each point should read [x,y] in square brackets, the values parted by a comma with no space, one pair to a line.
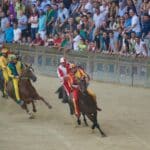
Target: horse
[87,105]
[27,92]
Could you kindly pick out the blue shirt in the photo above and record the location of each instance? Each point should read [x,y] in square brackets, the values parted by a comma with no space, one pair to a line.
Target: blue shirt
[9,35]
[127,23]
[42,23]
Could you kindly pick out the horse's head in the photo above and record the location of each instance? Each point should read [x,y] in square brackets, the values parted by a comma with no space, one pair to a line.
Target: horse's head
[83,85]
[28,72]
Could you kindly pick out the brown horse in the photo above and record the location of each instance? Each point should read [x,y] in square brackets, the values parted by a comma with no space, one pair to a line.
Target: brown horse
[88,106]
[27,92]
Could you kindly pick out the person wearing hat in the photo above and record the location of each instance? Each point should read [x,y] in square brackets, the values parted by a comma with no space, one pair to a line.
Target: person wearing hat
[14,76]
[62,72]
[3,66]
[73,85]
[81,74]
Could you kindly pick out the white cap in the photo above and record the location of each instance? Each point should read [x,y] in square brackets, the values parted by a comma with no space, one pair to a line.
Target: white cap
[62,60]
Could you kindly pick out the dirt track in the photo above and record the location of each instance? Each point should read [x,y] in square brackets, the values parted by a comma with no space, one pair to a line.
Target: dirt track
[125,119]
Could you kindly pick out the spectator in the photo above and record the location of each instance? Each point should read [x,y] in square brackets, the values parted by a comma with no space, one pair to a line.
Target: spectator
[135,23]
[140,47]
[9,34]
[145,25]
[76,41]
[37,41]
[22,24]
[42,24]
[4,21]
[104,42]
[112,43]
[17,33]
[49,19]
[33,20]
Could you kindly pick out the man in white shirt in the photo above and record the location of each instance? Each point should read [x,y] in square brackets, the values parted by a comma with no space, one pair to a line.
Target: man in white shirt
[89,6]
[98,18]
[140,47]
[135,23]
[17,33]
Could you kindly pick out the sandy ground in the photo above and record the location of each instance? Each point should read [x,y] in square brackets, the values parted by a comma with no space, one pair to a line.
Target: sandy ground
[125,119]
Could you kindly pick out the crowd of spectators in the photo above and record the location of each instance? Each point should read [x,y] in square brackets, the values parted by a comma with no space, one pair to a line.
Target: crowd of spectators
[105,26]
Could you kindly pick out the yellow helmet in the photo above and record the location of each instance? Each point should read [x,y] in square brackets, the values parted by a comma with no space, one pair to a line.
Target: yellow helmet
[4,50]
[72,66]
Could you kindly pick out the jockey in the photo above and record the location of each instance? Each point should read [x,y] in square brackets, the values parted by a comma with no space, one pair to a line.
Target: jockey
[3,66]
[62,72]
[19,64]
[72,81]
[14,76]
[80,74]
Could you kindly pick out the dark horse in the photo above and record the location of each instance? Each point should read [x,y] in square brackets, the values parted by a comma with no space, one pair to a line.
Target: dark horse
[27,92]
[87,105]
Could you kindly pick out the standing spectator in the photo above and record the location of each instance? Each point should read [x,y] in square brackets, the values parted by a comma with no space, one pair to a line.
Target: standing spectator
[135,23]
[76,41]
[98,18]
[12,19]
[132,43]
[127,22]
[17,33]
[74,7]
[122,9]
[89,6]
[125,45]
[33,20]
[145,25]
[44,5]
[49,19]
[19,7]
[140,47]
[112,43]
[4,21]
[9,34]
[63,15]
[104,42]
[22,24]
[113,9]
[42,24]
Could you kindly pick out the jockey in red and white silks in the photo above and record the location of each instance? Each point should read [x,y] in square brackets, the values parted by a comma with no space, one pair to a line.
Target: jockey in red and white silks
[62,72]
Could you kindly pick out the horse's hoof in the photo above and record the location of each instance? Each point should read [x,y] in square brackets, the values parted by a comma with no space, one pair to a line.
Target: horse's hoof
[103,135]
[31,116]
[50,107]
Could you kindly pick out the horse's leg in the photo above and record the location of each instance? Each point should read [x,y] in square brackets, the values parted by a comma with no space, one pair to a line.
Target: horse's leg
[84,119]
[78,121]
[45,102]
[97,125]
[34,108]
[28,112]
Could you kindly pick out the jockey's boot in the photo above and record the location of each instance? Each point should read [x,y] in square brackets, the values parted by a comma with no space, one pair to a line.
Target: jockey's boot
[20,102]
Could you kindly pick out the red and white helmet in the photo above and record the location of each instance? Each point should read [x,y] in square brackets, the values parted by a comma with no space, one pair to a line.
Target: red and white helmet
[62,60]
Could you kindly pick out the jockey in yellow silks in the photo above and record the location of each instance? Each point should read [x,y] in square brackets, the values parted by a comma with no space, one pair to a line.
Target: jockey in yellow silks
[80,74]
[14,76]
[3,66]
